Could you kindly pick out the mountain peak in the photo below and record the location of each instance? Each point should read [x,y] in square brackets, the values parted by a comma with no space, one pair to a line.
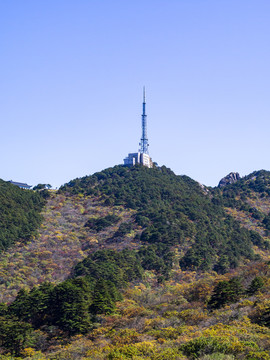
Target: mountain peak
[231,178]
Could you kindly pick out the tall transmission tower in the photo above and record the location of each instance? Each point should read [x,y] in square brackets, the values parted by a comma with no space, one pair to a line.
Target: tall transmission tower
[141,156]
[144,140]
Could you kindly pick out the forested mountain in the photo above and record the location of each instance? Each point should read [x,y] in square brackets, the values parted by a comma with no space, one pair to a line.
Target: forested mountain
[138,263]
[175,211]
[19,214]
[248,201]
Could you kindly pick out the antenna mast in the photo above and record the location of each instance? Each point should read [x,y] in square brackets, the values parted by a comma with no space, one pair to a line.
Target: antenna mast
[144,140]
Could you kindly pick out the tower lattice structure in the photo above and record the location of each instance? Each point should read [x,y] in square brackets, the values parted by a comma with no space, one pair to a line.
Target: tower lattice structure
[142,156]
[144,140]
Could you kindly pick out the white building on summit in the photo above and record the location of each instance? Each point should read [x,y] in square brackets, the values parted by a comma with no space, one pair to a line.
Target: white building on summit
[138,158]
[142,156]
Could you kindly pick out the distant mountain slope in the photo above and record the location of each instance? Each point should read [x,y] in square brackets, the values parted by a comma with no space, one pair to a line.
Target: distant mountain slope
[19,214]
[257,181]
[248,201]
[173,210]
[61,242]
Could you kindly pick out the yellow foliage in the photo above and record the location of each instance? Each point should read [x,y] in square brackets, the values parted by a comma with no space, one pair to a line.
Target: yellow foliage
[98,332]
[28,352]
[125,336]
[145,346]
[246,302]
[130,308]
[192,316]
[170,314]
[133,293]
[82,210]
[151,323]
[258,355]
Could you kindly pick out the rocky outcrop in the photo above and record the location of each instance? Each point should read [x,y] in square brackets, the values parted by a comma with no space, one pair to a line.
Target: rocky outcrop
[229,179]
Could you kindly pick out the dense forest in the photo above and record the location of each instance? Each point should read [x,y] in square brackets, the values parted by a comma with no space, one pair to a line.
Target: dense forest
[175,210]
[155,266]
[19,214]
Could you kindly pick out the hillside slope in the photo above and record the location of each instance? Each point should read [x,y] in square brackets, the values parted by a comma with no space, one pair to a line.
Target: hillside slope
[193,316]
[19,214]
[176,211]
[151,207]
[60,243]
[114,262]
[248,201]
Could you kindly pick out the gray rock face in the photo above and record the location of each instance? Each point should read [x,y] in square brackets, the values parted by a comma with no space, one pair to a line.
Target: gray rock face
[229,179]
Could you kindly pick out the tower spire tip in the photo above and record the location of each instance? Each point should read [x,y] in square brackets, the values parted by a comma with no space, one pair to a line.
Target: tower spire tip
[144,94]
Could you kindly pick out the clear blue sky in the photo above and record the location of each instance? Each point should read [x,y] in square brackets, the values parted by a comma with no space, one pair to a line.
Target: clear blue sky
[72,74]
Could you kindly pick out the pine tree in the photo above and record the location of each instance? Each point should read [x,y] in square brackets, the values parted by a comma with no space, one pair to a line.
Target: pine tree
[102,300]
